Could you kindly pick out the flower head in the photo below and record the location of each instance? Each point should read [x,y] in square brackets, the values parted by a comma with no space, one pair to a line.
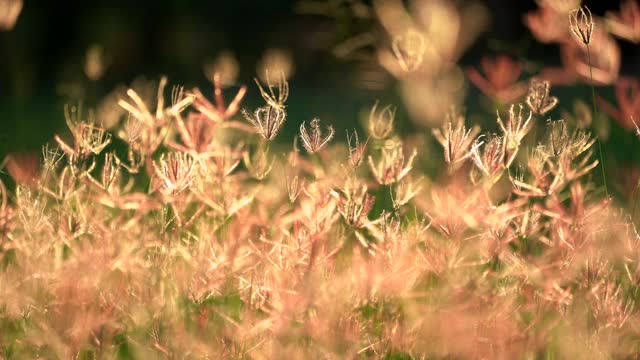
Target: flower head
[405,191]
[354,204]
[538,98]
[356,149]
[220,111]
[381,122]
[295,185]
[267,120]
[88,140]
[314,140]
[455,138]
[515,129]
[140,110]
[392,166]
[145,130]
[276,93]
[581,24]
[175,171]
[557,138]
[111,172]
[491,160]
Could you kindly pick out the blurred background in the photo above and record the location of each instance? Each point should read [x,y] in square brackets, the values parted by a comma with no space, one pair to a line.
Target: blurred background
[333,52]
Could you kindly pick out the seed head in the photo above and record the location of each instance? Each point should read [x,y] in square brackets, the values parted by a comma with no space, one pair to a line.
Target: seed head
[277,93]
[137,107]
[404,192]
[514,131]
[455,138]
[314,140]
[195,132]
[50,157]
[491,160]
[581,24]
[538,99]
[354,205]
[31,207]
[389,227]
[267,120]
[175,171]
[131,130]
[381,123]
[295,185]
[111,170]
[93,139]
[87,137]
[356,149]
[392,166]
[219,111]
[557,138]
[179,100]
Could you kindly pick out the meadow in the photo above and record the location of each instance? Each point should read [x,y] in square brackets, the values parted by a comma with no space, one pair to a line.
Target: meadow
[182,223]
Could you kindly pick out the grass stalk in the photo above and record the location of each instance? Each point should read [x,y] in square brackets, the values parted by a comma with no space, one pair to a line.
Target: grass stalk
[595,117]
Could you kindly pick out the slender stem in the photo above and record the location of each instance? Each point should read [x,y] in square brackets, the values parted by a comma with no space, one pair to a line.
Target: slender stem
[535,132]
[595,117]
[634,196]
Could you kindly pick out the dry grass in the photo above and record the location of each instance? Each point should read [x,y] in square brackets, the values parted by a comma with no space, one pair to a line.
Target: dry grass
[201,240]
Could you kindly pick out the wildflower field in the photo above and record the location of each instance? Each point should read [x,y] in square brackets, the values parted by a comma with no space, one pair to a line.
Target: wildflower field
[490,212]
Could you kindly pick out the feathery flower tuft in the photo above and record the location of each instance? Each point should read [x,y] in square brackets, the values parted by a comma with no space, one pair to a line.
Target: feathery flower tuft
[538,99]
[141,111]
[176,172]
[392,165]
[356,149]
[111,171]
[557,138]
[491,159]
[581,24]
[88,140]
[405,191]
[278,92]
[354,204]
[381,122]
[295,186]
[514,131]
[220,111]
[455,138]
[314,140]
[266,120]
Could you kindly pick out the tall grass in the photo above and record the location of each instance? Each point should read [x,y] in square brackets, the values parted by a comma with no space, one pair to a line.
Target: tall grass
[208,238]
